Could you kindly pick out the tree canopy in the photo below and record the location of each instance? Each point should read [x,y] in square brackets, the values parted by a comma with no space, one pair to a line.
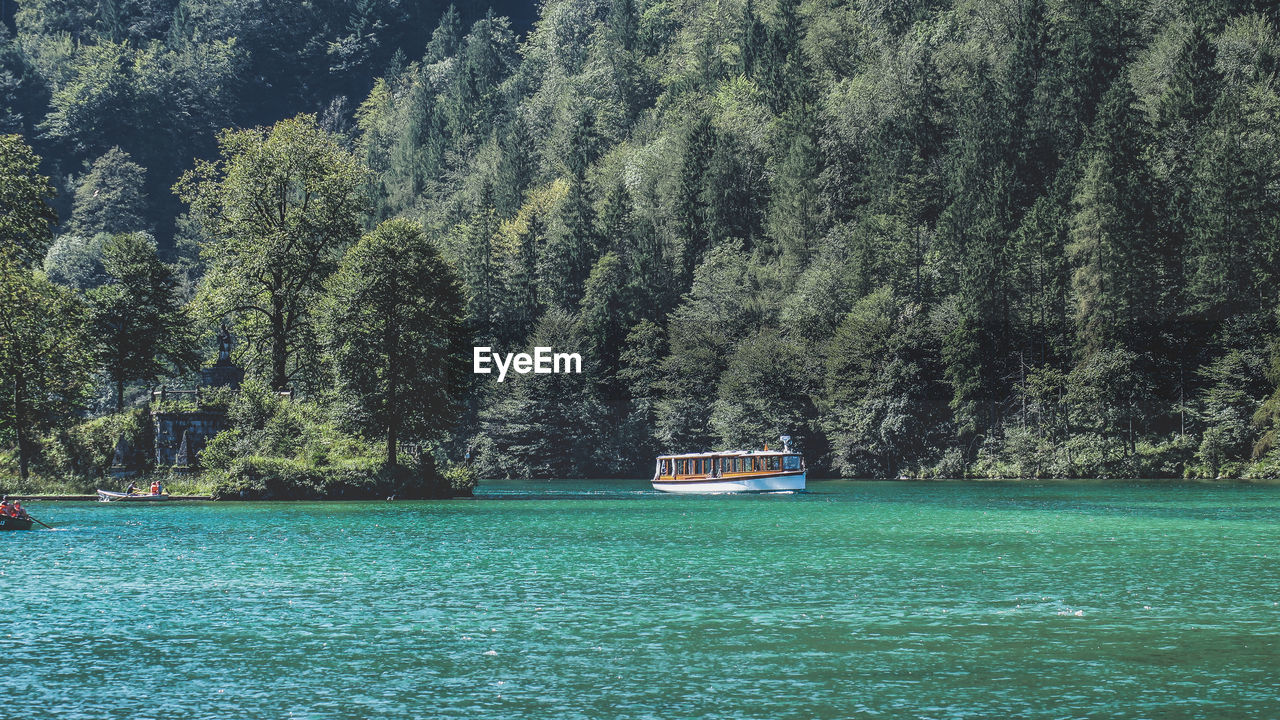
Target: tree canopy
[280,207]
[393,327]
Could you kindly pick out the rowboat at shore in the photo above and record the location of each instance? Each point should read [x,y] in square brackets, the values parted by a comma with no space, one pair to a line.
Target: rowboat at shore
[108,496]
[13,523]
[732,471]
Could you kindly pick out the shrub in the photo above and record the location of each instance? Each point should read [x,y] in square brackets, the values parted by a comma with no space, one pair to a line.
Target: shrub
[461,480]
[86,450]
[267,478]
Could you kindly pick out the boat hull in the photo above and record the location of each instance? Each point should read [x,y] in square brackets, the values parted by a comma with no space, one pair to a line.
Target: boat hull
[12,523]
[791,482]
[108,496]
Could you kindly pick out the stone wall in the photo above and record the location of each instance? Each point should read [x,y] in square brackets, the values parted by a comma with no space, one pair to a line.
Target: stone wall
[199,425]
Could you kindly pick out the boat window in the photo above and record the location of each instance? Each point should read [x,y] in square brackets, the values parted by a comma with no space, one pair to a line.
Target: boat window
[737,464]
[791,462]
[774,462]
[756,465]
[666,467]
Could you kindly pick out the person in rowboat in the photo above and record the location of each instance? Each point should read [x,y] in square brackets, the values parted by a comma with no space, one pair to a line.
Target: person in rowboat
[155,487]
[132,489]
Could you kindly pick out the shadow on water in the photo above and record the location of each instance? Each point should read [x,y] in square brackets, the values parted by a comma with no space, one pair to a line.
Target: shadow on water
[1095,498]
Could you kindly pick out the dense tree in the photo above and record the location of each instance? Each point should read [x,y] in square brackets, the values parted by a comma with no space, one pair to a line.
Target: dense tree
[546,425]
[280,205]
[75,261]
[26,224]
[763,394]
[1032,238]
[141,332]
[393,326]
[44,366]
[109,198]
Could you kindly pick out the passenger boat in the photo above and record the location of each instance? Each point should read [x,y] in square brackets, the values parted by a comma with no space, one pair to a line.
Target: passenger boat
[732,471]
[13,523]
[108,496]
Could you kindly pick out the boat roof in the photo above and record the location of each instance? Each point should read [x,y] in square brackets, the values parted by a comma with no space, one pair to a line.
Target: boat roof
[726,453]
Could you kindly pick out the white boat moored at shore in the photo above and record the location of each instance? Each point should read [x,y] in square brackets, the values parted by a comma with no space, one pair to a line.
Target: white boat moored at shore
[108,496]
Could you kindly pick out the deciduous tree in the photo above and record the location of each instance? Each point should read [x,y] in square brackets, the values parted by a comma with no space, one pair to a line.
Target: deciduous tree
[393,327]
[281,204]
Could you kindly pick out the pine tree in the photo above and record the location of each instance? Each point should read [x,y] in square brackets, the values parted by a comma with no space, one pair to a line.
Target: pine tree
[109,198]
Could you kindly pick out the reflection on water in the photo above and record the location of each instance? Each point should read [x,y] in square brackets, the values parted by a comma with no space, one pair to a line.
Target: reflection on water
[590,599]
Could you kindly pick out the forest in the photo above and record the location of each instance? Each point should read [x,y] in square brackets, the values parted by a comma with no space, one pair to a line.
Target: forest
[927,239]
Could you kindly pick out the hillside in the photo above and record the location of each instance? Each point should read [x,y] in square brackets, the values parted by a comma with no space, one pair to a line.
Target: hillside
[994,238]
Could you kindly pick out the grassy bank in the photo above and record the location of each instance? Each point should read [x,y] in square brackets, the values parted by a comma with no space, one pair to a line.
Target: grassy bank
[176,484]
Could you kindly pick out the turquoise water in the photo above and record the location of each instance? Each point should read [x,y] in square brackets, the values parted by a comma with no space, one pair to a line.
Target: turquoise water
[603,600]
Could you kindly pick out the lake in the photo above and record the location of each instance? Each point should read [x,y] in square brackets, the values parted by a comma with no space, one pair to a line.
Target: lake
[601,599]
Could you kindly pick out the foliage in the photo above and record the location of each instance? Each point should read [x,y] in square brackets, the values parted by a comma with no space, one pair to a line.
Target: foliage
[75,261]
[934,239]
[461,479]
[280,207]
[43,364]
[393,326]
[110,197]
[86,450]
[280,449]
[27,220]
[140,331]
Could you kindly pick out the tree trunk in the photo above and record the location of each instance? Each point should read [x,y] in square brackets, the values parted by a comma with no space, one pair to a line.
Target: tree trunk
[20,425]
[279,358]
[392,455]
[119,395]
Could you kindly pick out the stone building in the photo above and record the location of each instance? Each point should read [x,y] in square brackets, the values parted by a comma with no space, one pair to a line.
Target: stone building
[181,434]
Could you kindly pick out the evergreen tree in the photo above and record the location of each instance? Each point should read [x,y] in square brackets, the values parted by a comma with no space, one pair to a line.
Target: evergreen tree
[572,244]
[109,198]
[547,425]
[762,394]
[140,330]
[1115,247]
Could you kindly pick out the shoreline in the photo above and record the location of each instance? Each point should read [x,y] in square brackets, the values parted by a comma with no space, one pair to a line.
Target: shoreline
[91,498]
[82,497]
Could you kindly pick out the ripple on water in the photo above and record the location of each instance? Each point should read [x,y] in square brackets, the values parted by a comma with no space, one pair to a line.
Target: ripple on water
[588,600]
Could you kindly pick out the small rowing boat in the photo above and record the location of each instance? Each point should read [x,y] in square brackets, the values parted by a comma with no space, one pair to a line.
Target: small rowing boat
[13,523]
[108,496]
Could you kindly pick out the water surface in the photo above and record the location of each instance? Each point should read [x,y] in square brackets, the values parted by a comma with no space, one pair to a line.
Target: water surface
[600,599]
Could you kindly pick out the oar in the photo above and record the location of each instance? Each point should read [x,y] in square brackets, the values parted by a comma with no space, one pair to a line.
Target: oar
[32,518]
